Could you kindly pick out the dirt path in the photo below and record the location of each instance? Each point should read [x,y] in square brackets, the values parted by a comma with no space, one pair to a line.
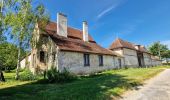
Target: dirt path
[158,88]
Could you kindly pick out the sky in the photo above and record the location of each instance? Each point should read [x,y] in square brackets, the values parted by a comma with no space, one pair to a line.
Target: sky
[137,21]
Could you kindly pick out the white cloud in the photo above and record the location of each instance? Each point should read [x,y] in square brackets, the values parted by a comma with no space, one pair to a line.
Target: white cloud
[115,4]
[106,11]
[167,42]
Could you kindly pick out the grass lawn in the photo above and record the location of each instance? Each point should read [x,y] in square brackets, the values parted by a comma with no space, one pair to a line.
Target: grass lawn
[103,86]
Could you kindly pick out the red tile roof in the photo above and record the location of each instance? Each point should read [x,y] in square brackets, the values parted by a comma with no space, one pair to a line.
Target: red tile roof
[75,45]
[119,43]
[72,32]
[143,49]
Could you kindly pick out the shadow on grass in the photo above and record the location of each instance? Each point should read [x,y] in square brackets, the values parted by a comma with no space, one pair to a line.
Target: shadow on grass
[96,87]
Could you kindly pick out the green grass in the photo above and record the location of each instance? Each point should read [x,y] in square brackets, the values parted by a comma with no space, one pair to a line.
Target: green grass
[102,86]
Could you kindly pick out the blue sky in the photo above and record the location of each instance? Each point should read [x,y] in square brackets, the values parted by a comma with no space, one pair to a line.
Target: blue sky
[138,21]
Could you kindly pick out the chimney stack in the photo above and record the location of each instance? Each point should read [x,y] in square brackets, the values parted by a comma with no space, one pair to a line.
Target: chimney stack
[137,47]
[61,24]
[85,31]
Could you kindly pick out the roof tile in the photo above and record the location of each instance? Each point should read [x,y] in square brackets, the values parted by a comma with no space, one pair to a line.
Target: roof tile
[74,41]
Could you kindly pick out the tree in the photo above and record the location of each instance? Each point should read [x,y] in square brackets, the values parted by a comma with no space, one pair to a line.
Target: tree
[8,52]
[158,49]
[2,79]
[166,55]
[21,19]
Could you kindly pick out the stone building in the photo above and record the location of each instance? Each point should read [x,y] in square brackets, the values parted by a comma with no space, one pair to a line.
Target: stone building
[25,62]
[134,55]
[63,47]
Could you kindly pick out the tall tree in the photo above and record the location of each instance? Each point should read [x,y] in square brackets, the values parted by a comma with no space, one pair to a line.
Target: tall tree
[158,49]
[1,40]
[21,19]
[1,22]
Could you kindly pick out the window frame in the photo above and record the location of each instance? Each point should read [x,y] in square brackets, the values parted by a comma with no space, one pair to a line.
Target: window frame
[100,60]
[86,60]
[42,59]
[54,57]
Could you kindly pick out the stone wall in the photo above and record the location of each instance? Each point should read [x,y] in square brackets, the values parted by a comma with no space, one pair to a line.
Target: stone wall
[74,62]
[44,43]
[117,64]
[156,62]
[130,57]
[119,51]
[147,59]
[25,62]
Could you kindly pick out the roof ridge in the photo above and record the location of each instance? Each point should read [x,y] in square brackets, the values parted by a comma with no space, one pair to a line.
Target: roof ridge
[69,26]
[119,40]
[90,36]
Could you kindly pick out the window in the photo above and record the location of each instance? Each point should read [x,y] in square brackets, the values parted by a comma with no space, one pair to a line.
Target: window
[120,64]
[86,60]
[100,60]
[42,56]
[53,57]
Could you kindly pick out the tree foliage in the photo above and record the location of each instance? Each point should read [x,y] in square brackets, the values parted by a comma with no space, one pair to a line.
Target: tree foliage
[21,18]
[157,48]
[8,55]
[1,23]
[166,55]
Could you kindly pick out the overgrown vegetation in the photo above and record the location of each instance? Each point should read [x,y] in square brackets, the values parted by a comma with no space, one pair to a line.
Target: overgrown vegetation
[102,86]
[27,75]
[53,76]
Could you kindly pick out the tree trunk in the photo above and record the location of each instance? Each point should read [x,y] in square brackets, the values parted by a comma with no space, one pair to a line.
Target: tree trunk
[18,62]
[2,79]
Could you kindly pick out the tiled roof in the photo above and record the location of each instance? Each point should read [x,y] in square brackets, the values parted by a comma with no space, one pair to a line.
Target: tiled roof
[72,32]
[143,49]
[119,43]
[73,44]
[69,44]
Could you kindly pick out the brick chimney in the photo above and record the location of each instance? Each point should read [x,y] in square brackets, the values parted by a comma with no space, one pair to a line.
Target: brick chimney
[61,24]
[85,31]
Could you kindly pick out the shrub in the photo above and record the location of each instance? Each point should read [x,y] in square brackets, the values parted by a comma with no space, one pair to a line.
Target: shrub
[27,75]
[53,75]
[126,67]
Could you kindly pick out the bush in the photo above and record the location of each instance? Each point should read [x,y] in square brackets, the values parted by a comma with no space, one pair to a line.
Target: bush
[53,75]
[27,75]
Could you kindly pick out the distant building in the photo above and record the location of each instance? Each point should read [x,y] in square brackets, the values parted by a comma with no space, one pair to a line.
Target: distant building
[62,47]
[166,61]
[134,55]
